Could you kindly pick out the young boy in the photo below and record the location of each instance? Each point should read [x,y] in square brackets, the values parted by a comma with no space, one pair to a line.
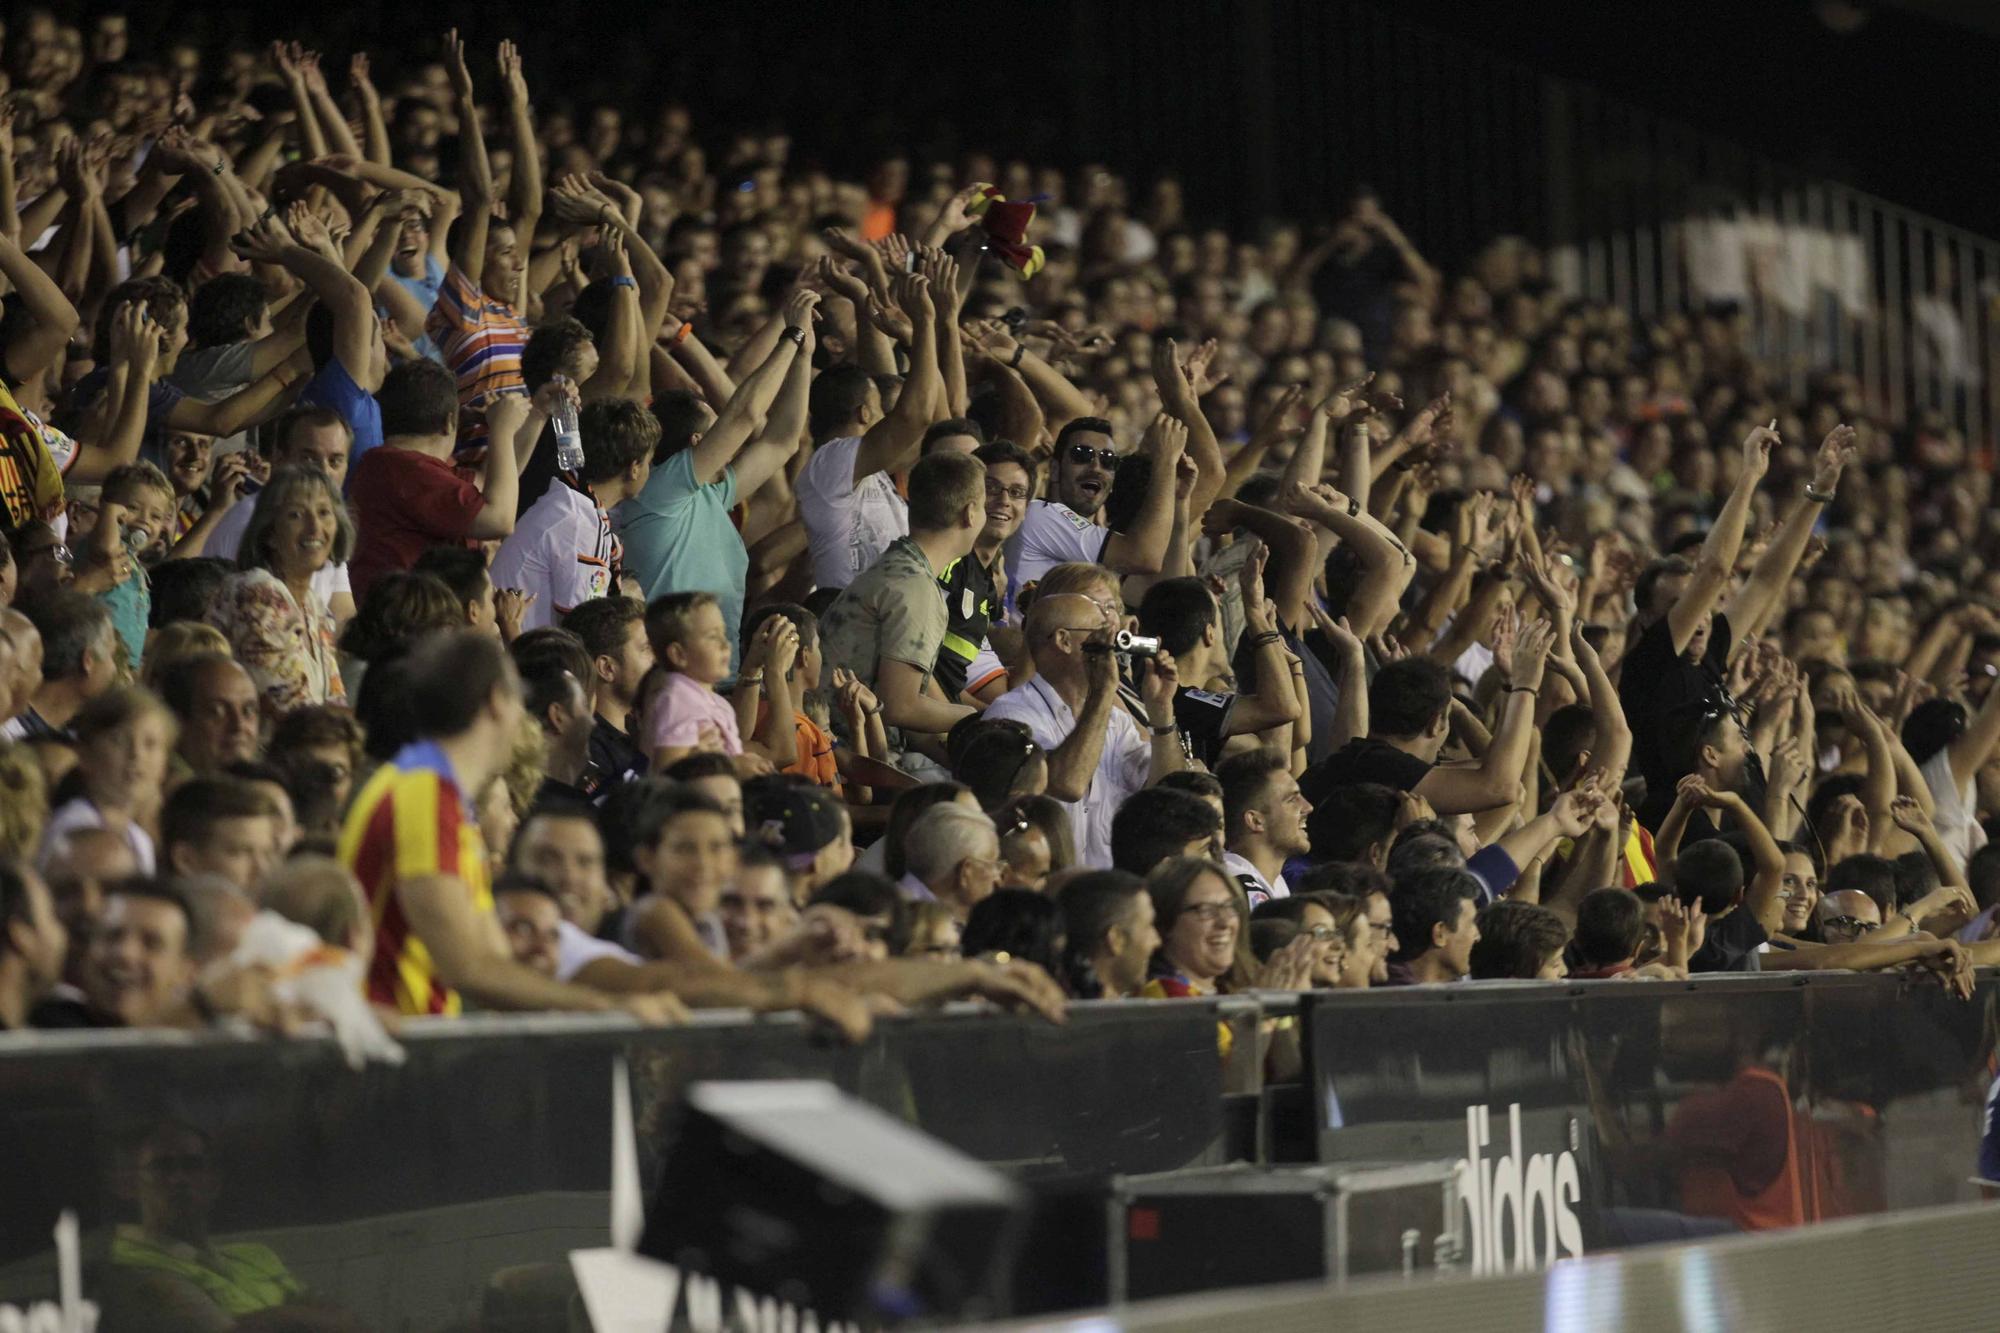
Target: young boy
[135,518]
[684,713]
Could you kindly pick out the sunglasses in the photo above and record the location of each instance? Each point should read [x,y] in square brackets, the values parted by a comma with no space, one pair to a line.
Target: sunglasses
[1083,455]
[1853,923]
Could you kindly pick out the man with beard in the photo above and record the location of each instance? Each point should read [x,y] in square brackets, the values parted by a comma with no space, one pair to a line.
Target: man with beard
[975,586]
[1067,527]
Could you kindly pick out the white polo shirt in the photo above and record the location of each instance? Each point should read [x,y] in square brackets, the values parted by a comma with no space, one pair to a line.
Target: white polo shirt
[226,539]
[561,550]
[1122,768]
[1052,534]
[848,523]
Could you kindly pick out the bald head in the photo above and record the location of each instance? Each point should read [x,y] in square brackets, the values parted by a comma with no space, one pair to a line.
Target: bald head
[1057,626]
[1847,916]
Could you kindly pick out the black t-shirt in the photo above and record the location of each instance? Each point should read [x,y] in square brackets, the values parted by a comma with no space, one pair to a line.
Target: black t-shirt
[1364,759]
[1664,695]
[1202,718]
[1731,944]
[970,604]
[614,758]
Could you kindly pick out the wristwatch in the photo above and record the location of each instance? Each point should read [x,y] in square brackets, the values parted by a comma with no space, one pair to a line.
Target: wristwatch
[796,334]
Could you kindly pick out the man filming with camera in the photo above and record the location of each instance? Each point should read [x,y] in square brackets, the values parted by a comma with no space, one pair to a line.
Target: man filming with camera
[1098,753]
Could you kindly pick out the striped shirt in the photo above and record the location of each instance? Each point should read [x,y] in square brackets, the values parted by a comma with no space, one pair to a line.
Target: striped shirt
[481,339]
[409,822]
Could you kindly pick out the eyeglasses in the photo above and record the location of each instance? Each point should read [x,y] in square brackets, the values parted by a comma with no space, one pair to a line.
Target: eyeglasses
[1323,934]
[1853,923]
[1083,455]
[1014,493]
[1210,913]
[1381,930]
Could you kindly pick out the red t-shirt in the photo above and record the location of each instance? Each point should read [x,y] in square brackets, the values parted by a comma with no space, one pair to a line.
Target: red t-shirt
[404,502]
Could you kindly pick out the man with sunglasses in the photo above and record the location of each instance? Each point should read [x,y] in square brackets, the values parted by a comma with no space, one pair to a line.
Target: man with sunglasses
[1071,526]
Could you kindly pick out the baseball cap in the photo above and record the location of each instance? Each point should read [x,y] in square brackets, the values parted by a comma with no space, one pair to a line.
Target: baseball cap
[794,820]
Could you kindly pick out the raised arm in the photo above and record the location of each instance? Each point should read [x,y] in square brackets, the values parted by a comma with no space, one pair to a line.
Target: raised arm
[1292,547]
[1143,548]
[501,481]
[1496,781]
[51,318]
[135,352]
[332,120]
[747,412]
[1386,565]
[374,130]
[340,292]
[475,172]
[1717,564]
[1180,400]
[1760,597]
[1970,750]
[785,423]
[891,444]
[1062,402]
[942,271]
[1764,897]
[1244,463]
[1611,752]
[524,185]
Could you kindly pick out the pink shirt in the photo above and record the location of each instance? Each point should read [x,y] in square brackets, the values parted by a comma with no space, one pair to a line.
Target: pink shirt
[678,709]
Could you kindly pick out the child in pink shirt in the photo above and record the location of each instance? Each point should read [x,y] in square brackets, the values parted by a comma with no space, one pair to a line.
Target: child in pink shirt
[691,642]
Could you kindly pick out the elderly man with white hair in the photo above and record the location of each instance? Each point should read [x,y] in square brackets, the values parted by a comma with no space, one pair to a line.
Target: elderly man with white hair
[953,855]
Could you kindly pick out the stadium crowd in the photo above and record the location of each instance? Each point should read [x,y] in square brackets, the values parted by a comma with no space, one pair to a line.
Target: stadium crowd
[590,559]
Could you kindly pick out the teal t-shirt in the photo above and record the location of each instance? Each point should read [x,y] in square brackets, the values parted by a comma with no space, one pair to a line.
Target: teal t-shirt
[678,538]
[131,607]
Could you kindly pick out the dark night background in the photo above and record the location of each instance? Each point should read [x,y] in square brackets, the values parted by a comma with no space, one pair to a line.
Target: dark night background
[1277,105]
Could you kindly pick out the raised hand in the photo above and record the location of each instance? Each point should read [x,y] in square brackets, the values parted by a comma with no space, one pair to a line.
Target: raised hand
[895,250]
[1199,368]
[802,308]
[310,72]
[1176,393]
[1351,400]
[1165,440]
[358,75]
[264,243]
[1694,791]
[135,338]
[1909,816]
[510,607]
[953,218]
[1757,449]
[513,83]
[454,64]
[1836,451]
[1531,654]
[913,296]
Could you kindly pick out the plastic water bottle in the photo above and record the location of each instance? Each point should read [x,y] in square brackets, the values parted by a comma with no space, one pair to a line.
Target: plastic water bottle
[569,440]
